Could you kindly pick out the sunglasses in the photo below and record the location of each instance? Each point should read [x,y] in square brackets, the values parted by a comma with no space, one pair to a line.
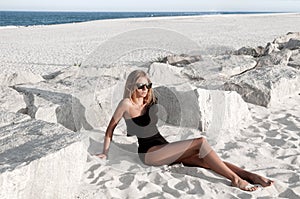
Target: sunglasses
[141,86]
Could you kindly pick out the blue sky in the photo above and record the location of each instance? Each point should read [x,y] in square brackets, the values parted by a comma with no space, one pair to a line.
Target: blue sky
[152,5]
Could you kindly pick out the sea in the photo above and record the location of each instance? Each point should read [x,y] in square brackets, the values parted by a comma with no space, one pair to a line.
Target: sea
[29,18]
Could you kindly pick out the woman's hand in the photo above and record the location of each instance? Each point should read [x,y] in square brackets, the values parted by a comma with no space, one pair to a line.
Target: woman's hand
[102,156]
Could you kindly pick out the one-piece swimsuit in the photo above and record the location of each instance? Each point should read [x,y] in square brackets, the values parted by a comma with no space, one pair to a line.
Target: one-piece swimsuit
[144,127]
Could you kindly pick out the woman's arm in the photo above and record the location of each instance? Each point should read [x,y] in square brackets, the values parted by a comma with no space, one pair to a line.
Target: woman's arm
[118,114]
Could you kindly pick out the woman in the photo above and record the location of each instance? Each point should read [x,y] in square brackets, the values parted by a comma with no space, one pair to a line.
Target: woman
[138,108]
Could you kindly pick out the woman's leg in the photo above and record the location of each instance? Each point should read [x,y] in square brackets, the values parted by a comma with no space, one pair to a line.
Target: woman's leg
[245,175]
[250,177]
[178,151]
[173,152]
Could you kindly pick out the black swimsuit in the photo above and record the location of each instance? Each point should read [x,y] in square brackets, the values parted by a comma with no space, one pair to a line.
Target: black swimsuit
[144,127]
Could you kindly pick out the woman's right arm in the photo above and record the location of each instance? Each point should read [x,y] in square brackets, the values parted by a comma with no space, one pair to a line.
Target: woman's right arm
[117,116]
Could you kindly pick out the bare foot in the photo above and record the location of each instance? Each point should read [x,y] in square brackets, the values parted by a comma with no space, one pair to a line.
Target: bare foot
[264,182]
[243,185]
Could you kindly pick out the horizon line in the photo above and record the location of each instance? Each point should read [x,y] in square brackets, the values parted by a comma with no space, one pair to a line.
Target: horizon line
[187,11]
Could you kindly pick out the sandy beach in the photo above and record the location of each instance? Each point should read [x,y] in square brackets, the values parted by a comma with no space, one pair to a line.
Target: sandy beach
[64,81]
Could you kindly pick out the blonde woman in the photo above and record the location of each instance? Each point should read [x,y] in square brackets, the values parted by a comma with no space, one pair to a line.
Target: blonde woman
[138,108]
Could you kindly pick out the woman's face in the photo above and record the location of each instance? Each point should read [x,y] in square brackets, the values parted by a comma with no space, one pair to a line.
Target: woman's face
[141,87]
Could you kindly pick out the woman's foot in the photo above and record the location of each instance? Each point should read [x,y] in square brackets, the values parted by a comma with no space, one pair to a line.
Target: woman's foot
[257,179]
[243,185]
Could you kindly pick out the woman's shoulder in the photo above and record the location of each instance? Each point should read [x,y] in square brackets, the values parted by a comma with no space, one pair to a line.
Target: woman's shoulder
[125,102]
[124,105]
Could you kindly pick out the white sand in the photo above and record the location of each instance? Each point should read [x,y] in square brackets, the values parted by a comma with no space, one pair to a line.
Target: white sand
[267,144]
[62,45]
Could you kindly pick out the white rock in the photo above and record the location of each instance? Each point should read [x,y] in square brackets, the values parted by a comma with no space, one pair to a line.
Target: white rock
[181,60]
[234,64]
[9,118]
[266,85]
[221,110]
[219,67]
[205,74]
[9,78]
[165,74]
[213,72]
[282,40]
[76,102]
[201,109]
[295,59]
[64,73]
[11,100]
[57,107]
[40,160]
[202,70]
[254,52]
[78,106]
[270,48]
[276,58]
[100,101]
[293,44]
[178,105]
[52,106]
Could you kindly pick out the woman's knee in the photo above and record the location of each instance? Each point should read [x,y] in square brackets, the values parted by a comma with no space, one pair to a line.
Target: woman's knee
[204,147]
[199,141]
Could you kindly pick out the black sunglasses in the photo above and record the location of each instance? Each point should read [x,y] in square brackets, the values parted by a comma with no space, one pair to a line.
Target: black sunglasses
[141,86]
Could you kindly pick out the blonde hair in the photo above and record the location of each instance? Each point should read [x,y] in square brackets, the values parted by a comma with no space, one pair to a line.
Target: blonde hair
[130,87]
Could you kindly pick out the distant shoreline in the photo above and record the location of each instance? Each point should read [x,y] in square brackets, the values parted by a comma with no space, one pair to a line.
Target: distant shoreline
[38,18]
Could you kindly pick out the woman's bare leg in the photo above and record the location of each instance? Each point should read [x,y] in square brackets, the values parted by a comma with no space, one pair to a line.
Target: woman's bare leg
[178,151]
[250,177]
[245,175]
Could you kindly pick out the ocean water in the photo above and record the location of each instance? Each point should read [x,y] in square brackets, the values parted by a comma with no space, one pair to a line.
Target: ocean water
[24,18]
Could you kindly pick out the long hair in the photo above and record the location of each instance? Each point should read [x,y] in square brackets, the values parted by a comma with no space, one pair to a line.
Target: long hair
[130,87]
